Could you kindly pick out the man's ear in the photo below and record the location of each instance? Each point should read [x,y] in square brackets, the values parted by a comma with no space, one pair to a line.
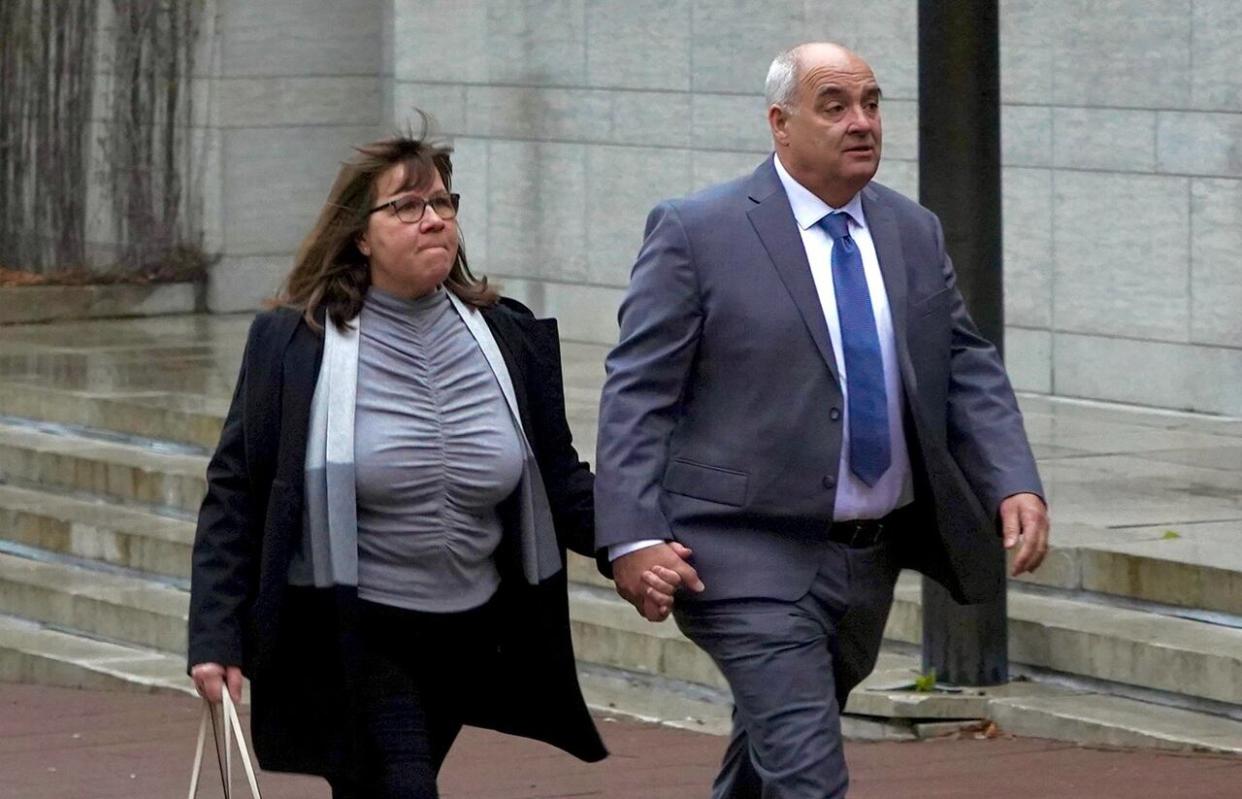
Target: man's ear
[777,117]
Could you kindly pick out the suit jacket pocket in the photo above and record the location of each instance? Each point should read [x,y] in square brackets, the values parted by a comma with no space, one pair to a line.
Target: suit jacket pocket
[712,483]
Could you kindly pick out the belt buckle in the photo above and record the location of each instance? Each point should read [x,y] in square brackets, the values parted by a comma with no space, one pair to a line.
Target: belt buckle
[858,528]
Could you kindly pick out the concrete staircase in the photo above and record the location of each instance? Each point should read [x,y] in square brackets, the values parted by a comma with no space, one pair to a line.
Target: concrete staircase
[1125,645]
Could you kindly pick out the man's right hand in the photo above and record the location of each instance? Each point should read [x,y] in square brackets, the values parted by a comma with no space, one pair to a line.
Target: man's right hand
[647,578]
[210,678]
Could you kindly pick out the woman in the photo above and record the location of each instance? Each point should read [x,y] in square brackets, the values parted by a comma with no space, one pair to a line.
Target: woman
[382,543]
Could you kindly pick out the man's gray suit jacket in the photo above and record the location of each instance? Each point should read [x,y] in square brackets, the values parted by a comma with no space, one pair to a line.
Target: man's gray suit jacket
[715,423]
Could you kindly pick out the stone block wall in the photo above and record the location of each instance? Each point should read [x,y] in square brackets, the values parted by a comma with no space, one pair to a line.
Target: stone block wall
[1123,199]
[571,118]
[292,85]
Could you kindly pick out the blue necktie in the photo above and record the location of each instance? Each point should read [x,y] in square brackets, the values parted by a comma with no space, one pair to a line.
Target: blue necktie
[864,364]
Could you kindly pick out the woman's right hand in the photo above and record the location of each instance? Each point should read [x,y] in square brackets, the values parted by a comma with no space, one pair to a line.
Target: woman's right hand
[209,679]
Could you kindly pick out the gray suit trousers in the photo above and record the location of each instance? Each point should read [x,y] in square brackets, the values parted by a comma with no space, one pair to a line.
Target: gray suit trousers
[790,666]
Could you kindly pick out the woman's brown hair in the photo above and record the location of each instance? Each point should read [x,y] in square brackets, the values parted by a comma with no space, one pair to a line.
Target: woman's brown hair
[330,271]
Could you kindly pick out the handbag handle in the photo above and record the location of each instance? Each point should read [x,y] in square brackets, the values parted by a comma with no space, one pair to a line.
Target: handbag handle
[232,726]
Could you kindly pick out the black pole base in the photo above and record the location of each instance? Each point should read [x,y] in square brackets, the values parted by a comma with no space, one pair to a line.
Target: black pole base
[964,644]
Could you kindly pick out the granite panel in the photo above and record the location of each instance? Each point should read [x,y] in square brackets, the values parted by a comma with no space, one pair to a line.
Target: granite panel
[1026,135]
[1125,53]
[1198,143]
[286,37]
[1028,30]
[1026,196]
[1105,139]
[1216,81]
[276,180]
[537,198]
[901,129]
[444,102]
[625,183]
[1028,359]
[262,102]
[641,44]
[655,118]
[585,313]
[902,176]
[735,41]
[707,168]
[1181,376]
[545,113]
[1122,254]
[729,122]
[535,42]
[440,41]
[1216,262]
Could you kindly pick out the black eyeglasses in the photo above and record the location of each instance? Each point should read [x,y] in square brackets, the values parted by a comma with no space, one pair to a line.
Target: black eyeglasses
[410,209]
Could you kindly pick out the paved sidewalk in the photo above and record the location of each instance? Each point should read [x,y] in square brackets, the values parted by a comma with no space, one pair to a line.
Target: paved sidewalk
[67,744]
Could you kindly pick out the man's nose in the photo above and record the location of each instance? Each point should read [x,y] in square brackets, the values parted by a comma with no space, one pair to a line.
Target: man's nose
[860,120]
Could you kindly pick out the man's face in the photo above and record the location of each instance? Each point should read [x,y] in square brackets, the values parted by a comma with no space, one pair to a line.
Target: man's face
[830,141]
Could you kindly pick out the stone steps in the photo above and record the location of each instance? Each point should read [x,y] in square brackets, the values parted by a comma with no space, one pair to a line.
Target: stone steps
[120,608]
[116,535]
[120,472]
[1102,642]
[182,418]
[34,653]
[74,499]
[1102,720]
[1085,639]
[1167,571]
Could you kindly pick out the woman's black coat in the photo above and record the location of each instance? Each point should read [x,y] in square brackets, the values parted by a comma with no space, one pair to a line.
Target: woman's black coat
[297,644]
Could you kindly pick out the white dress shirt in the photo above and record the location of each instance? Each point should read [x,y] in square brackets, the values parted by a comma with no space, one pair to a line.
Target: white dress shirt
[855,499]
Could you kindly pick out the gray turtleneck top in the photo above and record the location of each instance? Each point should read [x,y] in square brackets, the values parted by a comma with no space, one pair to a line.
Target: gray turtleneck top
[435,451]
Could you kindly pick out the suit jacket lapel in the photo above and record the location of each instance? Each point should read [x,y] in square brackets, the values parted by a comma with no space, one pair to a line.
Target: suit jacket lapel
[887,239]
[773,220]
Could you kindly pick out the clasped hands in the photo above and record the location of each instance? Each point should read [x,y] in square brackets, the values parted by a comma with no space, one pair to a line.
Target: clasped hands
[648,578]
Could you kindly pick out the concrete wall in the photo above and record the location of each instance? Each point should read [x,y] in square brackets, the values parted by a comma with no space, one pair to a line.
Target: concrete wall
[1123,176]
[1124,200]
[292,85]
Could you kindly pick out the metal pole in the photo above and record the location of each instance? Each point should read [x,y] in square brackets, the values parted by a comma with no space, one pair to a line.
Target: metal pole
[960,180]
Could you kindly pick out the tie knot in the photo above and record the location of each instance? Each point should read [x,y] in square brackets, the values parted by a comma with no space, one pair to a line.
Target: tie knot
[837,224]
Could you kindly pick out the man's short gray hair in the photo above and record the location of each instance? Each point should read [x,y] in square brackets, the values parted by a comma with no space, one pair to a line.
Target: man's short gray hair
[782,82]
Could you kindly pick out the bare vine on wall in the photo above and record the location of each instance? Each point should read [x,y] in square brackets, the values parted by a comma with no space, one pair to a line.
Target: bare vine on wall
[148,145]
[47,79]
[50,73]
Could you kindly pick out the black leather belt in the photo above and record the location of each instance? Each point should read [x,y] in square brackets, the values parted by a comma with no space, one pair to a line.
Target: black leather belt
[863,533]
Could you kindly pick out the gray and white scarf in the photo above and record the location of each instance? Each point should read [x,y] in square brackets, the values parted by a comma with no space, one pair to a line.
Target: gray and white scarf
[329,550]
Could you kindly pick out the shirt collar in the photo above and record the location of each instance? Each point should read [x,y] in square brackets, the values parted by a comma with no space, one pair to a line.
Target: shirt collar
[809,209]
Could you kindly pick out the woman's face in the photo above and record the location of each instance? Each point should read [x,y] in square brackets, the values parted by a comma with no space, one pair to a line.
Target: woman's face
[408,259]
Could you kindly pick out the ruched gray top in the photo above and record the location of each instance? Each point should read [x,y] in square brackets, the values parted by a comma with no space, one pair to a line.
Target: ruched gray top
[435,451]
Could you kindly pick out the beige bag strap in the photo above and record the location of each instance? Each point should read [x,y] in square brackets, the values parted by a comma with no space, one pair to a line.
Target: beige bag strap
[232,726]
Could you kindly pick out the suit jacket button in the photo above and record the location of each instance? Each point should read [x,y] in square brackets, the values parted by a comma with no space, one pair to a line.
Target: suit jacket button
[829,481]
[834,414]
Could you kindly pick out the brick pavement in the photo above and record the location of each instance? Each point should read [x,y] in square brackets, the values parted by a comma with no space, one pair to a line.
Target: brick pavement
[60,743]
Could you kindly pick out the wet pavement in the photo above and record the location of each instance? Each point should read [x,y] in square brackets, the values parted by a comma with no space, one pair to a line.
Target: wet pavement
[67,744]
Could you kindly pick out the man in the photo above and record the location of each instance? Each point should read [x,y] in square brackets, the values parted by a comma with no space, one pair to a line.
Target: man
[798,407]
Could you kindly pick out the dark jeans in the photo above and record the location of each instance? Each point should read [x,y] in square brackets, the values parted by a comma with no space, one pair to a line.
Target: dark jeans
[419,679]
